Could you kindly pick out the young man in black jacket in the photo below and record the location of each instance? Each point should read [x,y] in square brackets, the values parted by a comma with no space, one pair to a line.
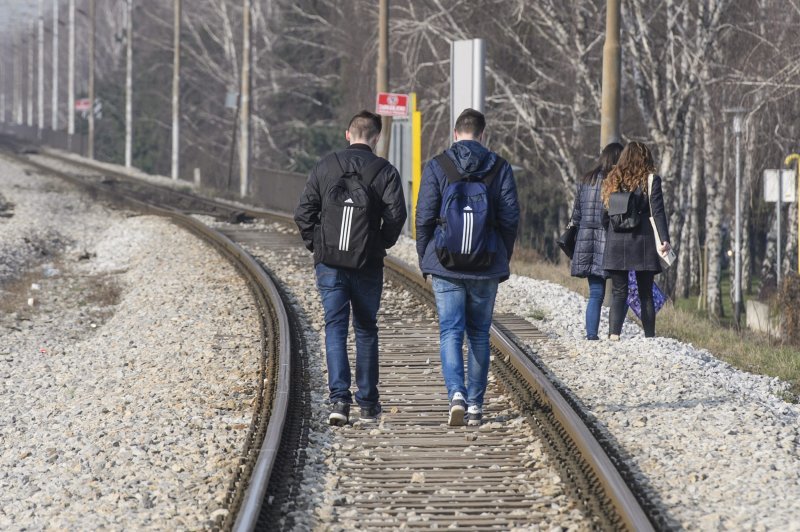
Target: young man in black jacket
[351,211]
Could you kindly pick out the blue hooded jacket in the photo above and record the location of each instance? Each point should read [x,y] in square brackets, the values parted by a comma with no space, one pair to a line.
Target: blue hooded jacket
[472,159]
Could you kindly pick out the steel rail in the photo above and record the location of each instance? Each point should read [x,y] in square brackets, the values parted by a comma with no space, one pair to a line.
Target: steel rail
[628,507]
[250,508]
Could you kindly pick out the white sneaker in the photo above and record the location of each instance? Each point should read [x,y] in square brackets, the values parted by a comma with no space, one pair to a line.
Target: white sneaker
[474,415]
[457,408]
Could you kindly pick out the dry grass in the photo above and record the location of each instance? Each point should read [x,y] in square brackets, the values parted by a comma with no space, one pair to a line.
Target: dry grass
[746,350]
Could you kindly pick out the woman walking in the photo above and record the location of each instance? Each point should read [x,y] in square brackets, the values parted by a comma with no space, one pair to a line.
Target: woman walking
[634,248]
[587,216]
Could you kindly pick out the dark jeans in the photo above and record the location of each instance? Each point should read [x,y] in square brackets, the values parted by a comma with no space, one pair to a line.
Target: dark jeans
[619,298]
[597,292]
[341,290]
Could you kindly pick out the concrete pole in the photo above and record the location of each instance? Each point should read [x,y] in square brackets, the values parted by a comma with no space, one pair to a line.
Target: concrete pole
[176,91]
[737,252]
[795,158]
[129,89]
[383,73]
[612,60]
[31,80]
[778,209]
[20,49]
[55,66]
[244,119]
[40,69]
[71,73]
[92,36]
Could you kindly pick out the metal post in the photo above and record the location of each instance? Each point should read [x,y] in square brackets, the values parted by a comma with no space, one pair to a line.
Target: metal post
[176,91]
[737,297]
[31,79]
[71,74]
[129,88]
[796,159]
[55,65]
[244,119]
[383,73]
[40,69]
[778,206]
[612,59]
[18,81]
[92,36]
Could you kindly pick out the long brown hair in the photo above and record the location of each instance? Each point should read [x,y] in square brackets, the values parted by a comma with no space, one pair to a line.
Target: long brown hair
[634,165]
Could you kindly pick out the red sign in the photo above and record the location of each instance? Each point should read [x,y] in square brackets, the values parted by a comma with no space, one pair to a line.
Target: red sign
[83,105]
[390,104]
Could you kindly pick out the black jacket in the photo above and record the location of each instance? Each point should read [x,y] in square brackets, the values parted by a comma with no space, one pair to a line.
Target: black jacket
[587,215]
[387,186]
[637,250]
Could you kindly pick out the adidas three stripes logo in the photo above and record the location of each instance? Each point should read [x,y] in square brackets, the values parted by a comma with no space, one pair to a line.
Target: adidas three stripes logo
[347,223]
[466,235]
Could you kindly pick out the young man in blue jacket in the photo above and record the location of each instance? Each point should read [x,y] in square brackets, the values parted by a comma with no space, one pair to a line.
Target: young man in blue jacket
[465,294]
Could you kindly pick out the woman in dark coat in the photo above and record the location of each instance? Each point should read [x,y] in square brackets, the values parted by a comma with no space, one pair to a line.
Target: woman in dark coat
[634,250]
[587,216]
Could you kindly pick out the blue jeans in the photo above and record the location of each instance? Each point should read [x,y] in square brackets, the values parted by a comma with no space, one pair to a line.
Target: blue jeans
[465,304]
[342,289]
[597,292]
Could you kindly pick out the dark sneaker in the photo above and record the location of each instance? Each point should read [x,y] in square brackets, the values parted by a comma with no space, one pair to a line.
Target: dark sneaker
[370,413]
[457,408]
[340,414]
[474,415]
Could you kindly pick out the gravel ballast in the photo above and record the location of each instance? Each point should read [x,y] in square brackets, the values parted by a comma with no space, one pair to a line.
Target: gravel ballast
[128,357]
[716,447]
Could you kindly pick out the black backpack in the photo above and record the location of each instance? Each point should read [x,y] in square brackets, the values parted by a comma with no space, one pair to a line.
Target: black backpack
[625,210]
[350,220]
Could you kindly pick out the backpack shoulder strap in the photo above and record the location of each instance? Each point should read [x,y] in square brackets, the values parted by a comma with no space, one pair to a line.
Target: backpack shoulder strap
[449,167]
[371,170]
[494,171]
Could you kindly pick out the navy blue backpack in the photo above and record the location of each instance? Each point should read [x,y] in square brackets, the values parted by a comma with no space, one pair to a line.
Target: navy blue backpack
[466,237]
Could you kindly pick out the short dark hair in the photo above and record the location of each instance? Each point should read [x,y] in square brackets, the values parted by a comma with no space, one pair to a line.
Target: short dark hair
[471,122]
[365,125]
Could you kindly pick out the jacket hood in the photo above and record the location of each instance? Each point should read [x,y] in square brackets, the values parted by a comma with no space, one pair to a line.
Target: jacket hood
[471,157]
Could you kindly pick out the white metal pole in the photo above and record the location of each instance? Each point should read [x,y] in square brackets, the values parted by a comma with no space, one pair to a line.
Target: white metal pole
[92,36]
[779,208]
[244,121]
[129,90]
[176,82]
[55,65]
[18,80]
[737,298]
[31,80]
[40,69]
[71,72]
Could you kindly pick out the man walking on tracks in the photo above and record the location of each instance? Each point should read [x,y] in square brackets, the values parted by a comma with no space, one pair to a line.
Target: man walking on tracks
[466,221]
[351,211]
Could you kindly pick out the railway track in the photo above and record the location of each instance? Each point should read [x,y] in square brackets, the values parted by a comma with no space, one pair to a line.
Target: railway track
[412,470]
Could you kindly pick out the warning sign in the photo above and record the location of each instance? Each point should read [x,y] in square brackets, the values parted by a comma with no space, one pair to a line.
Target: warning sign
[390,104]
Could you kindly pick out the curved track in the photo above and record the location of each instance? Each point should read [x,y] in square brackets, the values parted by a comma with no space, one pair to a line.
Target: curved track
[588,469]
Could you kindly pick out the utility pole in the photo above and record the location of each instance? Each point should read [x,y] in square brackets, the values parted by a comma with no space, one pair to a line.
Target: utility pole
[55,65]
[383,73]
[789,160]
[737,113]
[129,89]
[20,49]
[244,120]
[71,74]
[612,59]
[40,69]
[92,36]
[31,80]
[176,91]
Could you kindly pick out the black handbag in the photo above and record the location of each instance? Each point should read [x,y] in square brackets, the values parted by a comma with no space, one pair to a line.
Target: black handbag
[567,240]
[624,211]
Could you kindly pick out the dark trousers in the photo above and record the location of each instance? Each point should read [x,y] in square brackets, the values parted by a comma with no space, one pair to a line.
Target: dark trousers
[360,290]
[619,298]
